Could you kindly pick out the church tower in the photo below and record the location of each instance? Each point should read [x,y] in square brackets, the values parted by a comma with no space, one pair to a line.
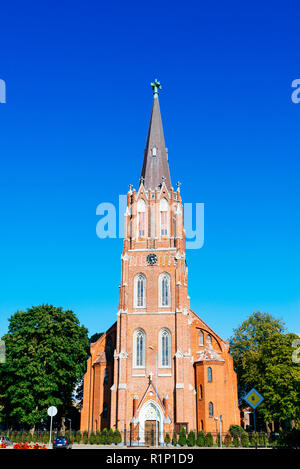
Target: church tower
[160,366]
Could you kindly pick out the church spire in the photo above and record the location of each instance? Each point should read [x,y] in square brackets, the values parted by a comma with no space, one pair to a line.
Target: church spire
[155,168]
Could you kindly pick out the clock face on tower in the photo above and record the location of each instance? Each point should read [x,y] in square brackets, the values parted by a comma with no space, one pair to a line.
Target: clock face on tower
[152,259]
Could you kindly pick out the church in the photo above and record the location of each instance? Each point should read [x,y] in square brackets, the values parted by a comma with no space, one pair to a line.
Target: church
[160,366]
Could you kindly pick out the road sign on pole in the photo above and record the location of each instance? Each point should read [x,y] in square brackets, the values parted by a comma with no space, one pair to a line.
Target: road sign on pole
[254,399]
[52,411]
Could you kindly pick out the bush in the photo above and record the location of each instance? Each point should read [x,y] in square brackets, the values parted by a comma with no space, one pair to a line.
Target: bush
[244,440]
[289,439]
[218,440]
[227,440]
[191,438]
[236,430]
[182,437]
[117,437]
[77,437]
[209,440]
[167,439]
[236,441]
[85,437]
[200,439]
[174,439]
[103,439]
[92,438]
[110,436]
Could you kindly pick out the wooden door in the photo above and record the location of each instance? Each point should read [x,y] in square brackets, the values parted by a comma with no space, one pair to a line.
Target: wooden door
[150,432]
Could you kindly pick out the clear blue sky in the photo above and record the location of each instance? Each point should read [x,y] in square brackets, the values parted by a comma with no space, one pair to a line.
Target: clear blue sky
[73,131]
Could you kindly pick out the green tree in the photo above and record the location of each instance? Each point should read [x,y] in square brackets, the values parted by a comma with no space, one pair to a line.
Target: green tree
[167,439]
[262,352]
[117,437]
[174,439]
[182,436]
[244,440]
[200,439]
[227,440]
[191,438]
[46,350]
[209,440]
[110,436]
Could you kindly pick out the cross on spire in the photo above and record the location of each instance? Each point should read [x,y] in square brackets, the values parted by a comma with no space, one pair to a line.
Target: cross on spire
[156,86]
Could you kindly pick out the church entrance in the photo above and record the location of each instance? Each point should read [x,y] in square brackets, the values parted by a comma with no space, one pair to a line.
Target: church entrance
[150,432]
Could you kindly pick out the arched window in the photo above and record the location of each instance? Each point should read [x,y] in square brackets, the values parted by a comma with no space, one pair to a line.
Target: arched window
[210,409]
[140,291]
[139,344]
[164,209]
[200,393]
[141,213]
[201,339]
[208,339]
[209,374]
[164,348]
[105,410]
[164,290]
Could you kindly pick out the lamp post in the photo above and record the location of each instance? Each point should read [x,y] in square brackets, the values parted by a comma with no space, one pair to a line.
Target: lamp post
[156,421]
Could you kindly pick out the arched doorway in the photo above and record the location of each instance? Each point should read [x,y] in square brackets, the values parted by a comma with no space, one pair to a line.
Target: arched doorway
[150,419]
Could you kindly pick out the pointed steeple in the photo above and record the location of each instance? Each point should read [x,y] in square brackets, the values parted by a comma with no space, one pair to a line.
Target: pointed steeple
[155,168]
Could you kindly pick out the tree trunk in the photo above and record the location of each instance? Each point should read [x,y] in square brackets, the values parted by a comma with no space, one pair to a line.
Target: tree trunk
[268,428]
[273,426]
[293,423]
[63,427]
[31,431]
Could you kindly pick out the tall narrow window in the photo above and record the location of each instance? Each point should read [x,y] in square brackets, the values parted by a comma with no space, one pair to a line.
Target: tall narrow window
[139,340]
[209,374]
[200,393]
[141,212]
[164,348]
[208,339]
[210,409]
[140,291]
[164,206]
[105,409]
[201,339]
[106,376]
[164,290]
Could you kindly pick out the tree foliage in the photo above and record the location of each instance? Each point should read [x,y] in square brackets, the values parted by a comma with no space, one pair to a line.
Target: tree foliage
[262,352]
[46,350]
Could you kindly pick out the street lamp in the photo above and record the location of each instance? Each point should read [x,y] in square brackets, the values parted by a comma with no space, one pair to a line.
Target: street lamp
[70,426]
[156,421]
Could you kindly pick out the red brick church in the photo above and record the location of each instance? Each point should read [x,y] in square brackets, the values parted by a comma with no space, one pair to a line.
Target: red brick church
[159,366]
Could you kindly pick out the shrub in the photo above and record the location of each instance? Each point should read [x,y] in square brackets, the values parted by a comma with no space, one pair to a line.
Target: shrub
[103,439]
[85,437]
[117,437]
[227,440]
[167,439]
[110,436]
[236,430]
[236,441]
[174,439]
[244,440]
[200,439]
[191,438]
[209,440]
[182,437]
[78,437]
[92,438]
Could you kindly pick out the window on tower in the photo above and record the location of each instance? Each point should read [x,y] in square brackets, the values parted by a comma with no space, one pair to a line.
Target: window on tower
[165,348]
[164,290]
[140,291]
[210,409]
[164,207]
[139,342]
[141,212]
[209,374]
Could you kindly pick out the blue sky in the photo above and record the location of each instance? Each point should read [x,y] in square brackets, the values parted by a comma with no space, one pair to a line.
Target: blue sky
[73,131]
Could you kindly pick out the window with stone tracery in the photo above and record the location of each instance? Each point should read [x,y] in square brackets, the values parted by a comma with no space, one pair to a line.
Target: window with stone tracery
[140,291]
[141,215]
[165,348]
[139,344]
[164,290]
[164,217]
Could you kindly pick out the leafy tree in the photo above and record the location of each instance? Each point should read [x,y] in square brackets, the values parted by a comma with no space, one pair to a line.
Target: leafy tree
[191,438]
[174,439]
[209,440]
[110,436]
[236,430]
[262,352]
[104,435]
[46,351]
[200,439]
[182,436]
[227,440]
[117,437]
[236,441]
[167,439]
[244,440]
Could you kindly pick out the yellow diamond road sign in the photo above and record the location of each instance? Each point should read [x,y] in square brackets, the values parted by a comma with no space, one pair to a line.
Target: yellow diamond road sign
[254,398]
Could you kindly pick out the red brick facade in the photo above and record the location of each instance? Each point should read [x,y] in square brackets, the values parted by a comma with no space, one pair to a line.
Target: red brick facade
[159,361]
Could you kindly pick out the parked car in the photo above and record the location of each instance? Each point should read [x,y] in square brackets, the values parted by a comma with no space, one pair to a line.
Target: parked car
[5,441]
[62,442]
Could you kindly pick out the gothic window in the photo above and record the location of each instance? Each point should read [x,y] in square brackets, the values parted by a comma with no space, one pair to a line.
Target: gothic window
[209,374]
[105,410]
[200,393]
[140,291]
[210,409]
[164,290]
[141,212]
[165,348]
[164,206]
[139,343]
[106,376]
[208,339]
[201,339]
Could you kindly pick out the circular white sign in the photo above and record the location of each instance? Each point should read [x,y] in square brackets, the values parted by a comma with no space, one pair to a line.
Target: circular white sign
[52,411]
